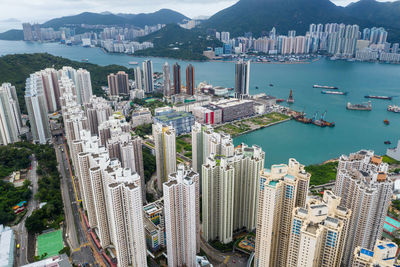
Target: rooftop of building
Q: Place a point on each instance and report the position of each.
(176, 115)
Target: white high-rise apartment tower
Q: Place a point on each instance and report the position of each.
(364, 187)
(10, 115)
(283, 188)
(138, 78)
(83, 86)
(125, 213)
(318, 233)
(165, 146)
(181, 194)
(37, 109)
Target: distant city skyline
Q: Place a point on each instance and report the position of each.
(43, 10)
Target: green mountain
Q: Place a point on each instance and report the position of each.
(261, 15)
(383, 13)
(15, 69)
(175, 42)
(162, 16)
(12, 35)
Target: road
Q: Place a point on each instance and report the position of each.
(76, 234)
(220, 259)
(20, 231)
(71, 235)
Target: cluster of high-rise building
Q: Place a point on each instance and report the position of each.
(144, 78)
(113, 39)
(342, 229)
(176, 87)
(339, 40)
(43, 93)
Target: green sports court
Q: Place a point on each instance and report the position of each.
(50, 243)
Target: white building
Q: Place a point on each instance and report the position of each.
(282, 188)
(181, 200)
(10, 115)
(365, 189)
(165, 146)
(37, 109)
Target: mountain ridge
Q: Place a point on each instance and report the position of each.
(261, 15)
(162, 16)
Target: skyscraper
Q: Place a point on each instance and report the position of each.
(167, 80)
(138, 78)
(218, 181)
(181, 209)
(318, 233)
(10, 115)
(97, 110)
(190, 80)
(124, 204)
(282, 188)
(27, 28)
(165, 146)
(83, 86)
(148, 76)
(365, 189)
(37, 109)
(177, 78)
(242, 79)
(118, 84)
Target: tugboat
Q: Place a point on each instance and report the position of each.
(387, 142)
(290, 99)
(302, 118)
(386, 122)
(280, 100)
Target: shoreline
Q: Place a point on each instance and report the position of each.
(261, 127)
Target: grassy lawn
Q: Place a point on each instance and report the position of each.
(390, 160)
(236, 128)
(183, 144)
(322, 174)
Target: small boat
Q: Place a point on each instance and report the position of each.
(386, 122)
(280, 100)
(324, 86)
(85, 60)
(393, 108)
(387, 142)
(133, 63)
(271, 85)
(333, 92)
(290, 99)
(379, 97)
(256, 87)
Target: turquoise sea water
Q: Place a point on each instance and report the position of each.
(309, 144)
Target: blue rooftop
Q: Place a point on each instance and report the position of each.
(381, 247)
(273, 183)
(367, 252)
(390, 245)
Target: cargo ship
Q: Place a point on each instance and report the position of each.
(379, 97)
(302, 118)
(290, 99)
(324, 86)
(321, 122)
(363, 106)
(394, 108)
(333, 92)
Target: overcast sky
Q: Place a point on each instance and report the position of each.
(42, 10)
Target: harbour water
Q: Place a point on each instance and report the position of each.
(309, 144)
